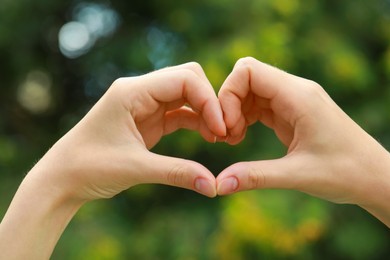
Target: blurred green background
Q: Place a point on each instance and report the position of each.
(58, 58)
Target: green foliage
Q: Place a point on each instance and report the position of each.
(343, 45)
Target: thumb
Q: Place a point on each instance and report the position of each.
(180, 173)
(283, 173)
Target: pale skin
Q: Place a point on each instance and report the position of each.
(107, 152)
(329, 156)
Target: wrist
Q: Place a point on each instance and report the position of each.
(37, 216)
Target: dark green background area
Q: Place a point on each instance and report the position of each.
(342, 45)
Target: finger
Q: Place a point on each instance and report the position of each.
(194, 66)
(283, 173)
(178, 172)
(288, 95)
(186, 118)
(230, 104)
(172, 86)
(231, 97)
(262, 79)
(252, 76)
(251, 87)
(237, 133)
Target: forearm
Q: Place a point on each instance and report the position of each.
(36, 218)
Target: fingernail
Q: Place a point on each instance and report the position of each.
(215, 139)
(227, 186)
(205, 187)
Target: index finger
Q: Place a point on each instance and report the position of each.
(288, 94)
(249, 75)
(184, 84)
(194, 66)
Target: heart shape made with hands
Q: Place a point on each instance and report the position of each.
(136, 112)
(296, 109)
(244, 98)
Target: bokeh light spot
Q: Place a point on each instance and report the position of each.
(99, 19)
(34, 93)
(91, 22)
(74, 39)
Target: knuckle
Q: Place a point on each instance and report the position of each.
(176, 175)
(195, 66)
(119, 81)
(246, 61)
(256, 178)
(313, 87)
(117, 84)
(122, 84)
(313, 94)
(122, 81)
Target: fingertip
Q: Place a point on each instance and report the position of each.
(235, 139)
(232, 140)
(214, 118)
(207, 133)
(219, 130)
(227, 185)
(230, 110)
(205, 187)
(221, 138)
(222, 131)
